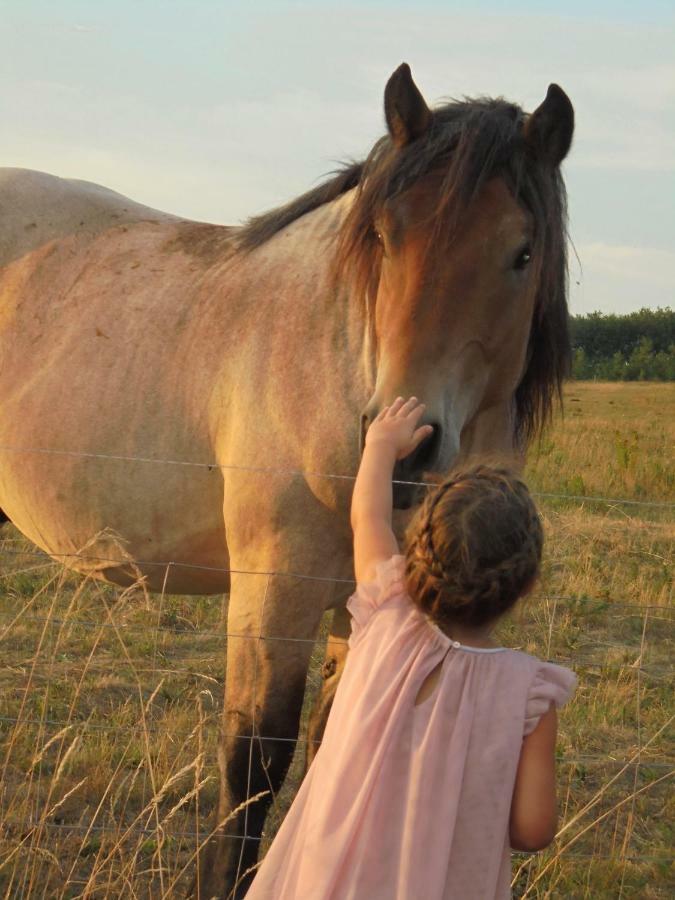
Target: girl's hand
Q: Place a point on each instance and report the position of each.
(396, 425)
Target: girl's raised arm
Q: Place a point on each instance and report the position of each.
(393, 435)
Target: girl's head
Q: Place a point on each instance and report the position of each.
(474, 547)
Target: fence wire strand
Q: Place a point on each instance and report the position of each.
(87, 624)
(57, 557)
(131, 729)
(205, 835)
(300, 473)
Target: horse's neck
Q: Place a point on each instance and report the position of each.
(295, 269)
(310, 330)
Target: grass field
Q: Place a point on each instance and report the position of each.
(109, 699)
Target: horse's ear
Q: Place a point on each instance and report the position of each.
(405, 109)
(549, 129)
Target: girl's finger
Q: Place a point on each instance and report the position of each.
(424, 432)
(409, 405)
(405, 407)
(396, 406)
(418, 436)
(416, 412)
(382, 414)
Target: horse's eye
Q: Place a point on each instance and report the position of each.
(379, 237)
(523, 258)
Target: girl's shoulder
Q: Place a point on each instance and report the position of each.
(387, 583)
(390, 574)
(547, 683)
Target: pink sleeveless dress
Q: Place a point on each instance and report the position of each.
(406, 802)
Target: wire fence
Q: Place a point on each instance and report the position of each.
(205, 835)
(304, 473)
(134, 729)
(639, 762)
(278, 573)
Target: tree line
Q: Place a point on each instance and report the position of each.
(639, 346)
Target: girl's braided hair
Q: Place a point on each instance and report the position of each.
(474, 547)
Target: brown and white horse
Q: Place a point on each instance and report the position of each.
(132, 341)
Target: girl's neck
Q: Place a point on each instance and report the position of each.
(481, 638)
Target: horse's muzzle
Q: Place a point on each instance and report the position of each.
(409, 472)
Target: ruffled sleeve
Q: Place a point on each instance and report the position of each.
(369, 597)
(551, 684)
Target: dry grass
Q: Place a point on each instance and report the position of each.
(108, 778)
(616, 440)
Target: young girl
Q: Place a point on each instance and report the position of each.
(439, 751)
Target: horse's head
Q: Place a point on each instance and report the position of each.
(456, 237)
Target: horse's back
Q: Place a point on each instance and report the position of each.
(36, 208)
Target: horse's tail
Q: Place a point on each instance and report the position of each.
(3, 518)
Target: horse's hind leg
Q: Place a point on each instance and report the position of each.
(272, 622)
(331, 672)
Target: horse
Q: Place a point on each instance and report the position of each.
(201, 393)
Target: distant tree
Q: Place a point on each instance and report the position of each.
(581, 370)
(664, 364)
(640, 361)
(617, 368)
(639, 346)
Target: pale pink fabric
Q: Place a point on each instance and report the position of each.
(406, 802)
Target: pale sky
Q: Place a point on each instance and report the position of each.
(218, 109)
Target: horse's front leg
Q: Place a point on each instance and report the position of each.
(272, 623)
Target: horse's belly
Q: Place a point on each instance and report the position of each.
(117, 519)
(95, 424)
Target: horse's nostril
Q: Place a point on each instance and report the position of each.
(410, 470)
(425, 454)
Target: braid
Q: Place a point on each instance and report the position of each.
(474, 547)
(427, 538)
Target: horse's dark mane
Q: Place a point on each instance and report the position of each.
(471, 141)
(259, 229)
